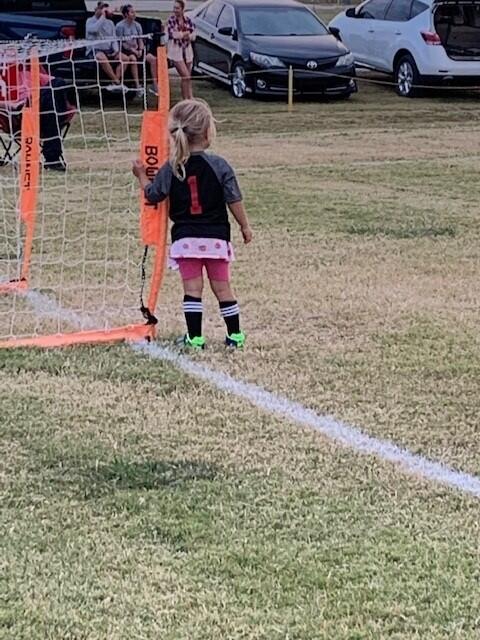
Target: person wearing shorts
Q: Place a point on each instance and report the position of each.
(181, 35)
(201, 187)
(130, 35)
(100, 29)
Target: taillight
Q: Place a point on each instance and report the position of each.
(431, 37)
(68, 32)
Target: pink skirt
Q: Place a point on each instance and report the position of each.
(210, 248)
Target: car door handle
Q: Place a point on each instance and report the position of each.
(371, 31)
(398, 33)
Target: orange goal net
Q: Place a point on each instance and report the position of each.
(77, 241)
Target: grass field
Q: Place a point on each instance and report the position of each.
(139, 502)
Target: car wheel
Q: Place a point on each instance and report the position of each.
(407, 77)
(238, 81)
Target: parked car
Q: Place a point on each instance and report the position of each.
(250, 44)
(422, 42)
(73, 10)
(19, 27)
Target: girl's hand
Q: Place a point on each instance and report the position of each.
(138, 169)
(247, 234)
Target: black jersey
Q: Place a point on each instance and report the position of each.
(198, 203)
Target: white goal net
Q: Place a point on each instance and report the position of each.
(70, 249)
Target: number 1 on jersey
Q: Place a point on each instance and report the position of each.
(196, 208)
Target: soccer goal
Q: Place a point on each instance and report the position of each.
(81, 253)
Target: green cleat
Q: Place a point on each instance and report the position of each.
(235, 340)
(191, 343)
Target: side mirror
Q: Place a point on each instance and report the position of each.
(225, 31)
(335, 32)
(351, 13)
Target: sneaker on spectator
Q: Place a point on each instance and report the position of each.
(139, 92)
(116, 88)
(59, 165)
(154, 91)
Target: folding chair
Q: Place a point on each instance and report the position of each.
(10, 132)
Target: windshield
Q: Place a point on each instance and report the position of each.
(289, 21)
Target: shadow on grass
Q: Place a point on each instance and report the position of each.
(148, 475)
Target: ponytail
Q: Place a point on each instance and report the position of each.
(191, 123)
(179, 151)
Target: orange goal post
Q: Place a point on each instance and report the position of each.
(77, 247)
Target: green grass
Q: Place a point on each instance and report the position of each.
(140, 503)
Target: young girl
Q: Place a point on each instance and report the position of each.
(200, 186)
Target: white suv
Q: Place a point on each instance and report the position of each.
(422, 42)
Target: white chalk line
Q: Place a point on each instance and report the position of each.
(339, 432)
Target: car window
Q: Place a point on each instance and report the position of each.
(399, 11)
(373, 10)
(212, 12)
(418, 8)
(227, 17)
(269, 21)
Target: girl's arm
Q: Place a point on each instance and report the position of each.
(158, 189)
(140, 172)
(240, 215)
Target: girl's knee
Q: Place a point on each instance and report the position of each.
(222, 289)
(193, 287)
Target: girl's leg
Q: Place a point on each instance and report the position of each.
(122, 67)
(218, 273)
(152, 61)
(134, 70)
(184, 74)
(189, 86)
(222, 289)
(191, 272)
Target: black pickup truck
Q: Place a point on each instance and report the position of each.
(66, 10)
(14, 26)
(56, 19)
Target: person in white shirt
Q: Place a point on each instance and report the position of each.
(106, 49)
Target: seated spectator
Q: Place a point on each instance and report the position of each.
(130, 33)
(55, 110)
(106, 50)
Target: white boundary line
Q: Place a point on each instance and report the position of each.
(333, 429)
(330, 427)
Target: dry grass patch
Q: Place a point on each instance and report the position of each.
(140, 503)
(308, 151)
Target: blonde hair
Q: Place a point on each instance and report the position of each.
(191, 123)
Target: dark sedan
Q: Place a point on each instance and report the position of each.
(250, 45)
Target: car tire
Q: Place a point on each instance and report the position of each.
(238, 81)
(407, 77)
